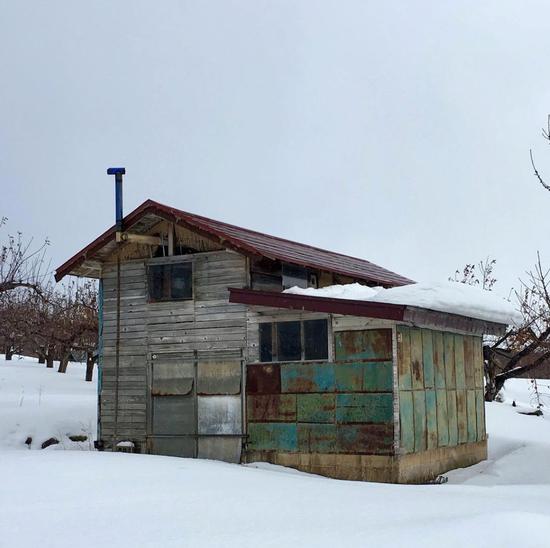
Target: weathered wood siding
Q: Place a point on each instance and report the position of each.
(199, 327)
(440, 389)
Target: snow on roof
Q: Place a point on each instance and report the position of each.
(450, 297)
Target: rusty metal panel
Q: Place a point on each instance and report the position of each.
(316, 408)
(439, 360)
(173, 446)
(427, 358)
(431, 419)
(453, 418)
(450, 374)
(263, 378)
(317, 438)
(472, 415)
(404, 357)
(219, 377)
(274, 436)
(480, 415)
(173, 415)
(371, 344)
(363, 408)
(271, 408)
(219, 415)
(365, 438)
(478, 362)
(364, 377)
(307, 377)
(442, 418)
(469, 367)
(417, 369)
(462, 416)
(172, 378)
(419, 403)
(459, 362)
(223, 448)
(406, 418)
(349, 377)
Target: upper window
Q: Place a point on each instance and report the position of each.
(294, 341)
(171, 282)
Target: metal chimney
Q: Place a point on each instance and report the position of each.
(118, 172)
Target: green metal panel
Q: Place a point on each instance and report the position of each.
(449, 358)
(417, 369)
(471, 411)
(377, 408)
(419, 403)
(404, 357)
(317, 438)
(349, 377)
(439, 359)
(478, 362)
(459, 362)
(480, 415)
(307, 377)
(427, 358)
(271, 407)
(469, 369)
(365, 438)
(462, 416)
(316, 408)
(442, 419)
(431, 419)
(406, 420)
(364, 377)
(371, 344)
(272, 436)
(452, 415)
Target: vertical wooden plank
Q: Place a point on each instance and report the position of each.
(442, 419)
(417, 370)
(459, 362)
(439, 360)
(452, 416)
(472, 415)
(427, 358)
(404, 357)
(419, 402)
(406, 417)
(431, 419)
(450, 373)
(478, 362)
(462, 416)
(469, 361)
(480, 415)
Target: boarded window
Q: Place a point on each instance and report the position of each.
(170, 282)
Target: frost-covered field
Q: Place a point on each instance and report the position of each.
(84, 498)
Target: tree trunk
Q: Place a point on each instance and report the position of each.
(49, 361)
(41, 358)
(90, 366)
(63, 363)
(9, 353)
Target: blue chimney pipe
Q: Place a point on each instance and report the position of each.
(118, 172)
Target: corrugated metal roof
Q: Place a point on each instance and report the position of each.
(246, 241)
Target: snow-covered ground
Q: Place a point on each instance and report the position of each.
(85, 498)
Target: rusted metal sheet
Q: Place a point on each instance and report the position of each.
(172, 378)
(459, 362)
(223, 448)
(317, 438)
(219, 415)
(263, 378)
(472, 415)
(371, 344)
(417, 369)
(442, 418)
(480, 415)
(450, 373)
(439, 359)
(431, 419)
(469, 367)
(427, 358)
(365, 438)
(219, 378)
(316, 408)
(453, 418)
(364, 408)
(419, 403)
(462, 416)
(406, 421)
(271, 407)
(275, 436)
(364, 377)
(478, 362)
(404, 357)
(307, 377)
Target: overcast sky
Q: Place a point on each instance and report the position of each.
(394, 131)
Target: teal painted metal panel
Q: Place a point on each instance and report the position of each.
(452, 416)
(419, 403)
(480, 415)
(318, 408)
(431, 419)
(417, 369)
(439, 360)
(406, 421)
(364, 408)
(428, 358)
(317, 438)
(450, 373)
(404, 357)
(442, 419)
(307, 377)
(471, 412)
(365, 438)
(349, 377)
(275, 436)
(371, 344)
(364, 377)
(459, 362)
(462, 416)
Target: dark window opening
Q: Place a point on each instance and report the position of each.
(170, 282)
(266, 342)
(289, 345)
(315, 340)
(294, 276)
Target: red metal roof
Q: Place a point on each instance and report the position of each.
(246, 241)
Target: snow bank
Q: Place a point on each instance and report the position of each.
(451, 297)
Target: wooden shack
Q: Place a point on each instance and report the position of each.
(202, 355)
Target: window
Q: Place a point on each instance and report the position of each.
(294, 275)
(170, 282)
(294, 341)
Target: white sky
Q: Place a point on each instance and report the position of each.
(394, 131)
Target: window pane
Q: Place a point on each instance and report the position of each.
(181, 281)
(156, 277)
(316, 340)
(294, 275)
(289, 345)
(266, 343)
